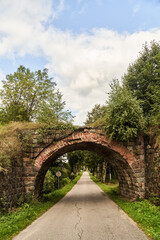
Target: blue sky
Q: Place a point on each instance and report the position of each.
(83, 43)
(120, 16)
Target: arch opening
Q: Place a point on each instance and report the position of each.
(126, 177)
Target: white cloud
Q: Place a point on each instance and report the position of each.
(83, 64)
(2, 77)
(87, 63)
(21, 22)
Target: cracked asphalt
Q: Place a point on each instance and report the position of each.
(85, 213)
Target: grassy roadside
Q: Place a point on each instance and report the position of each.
(12, 224)
(143, 212)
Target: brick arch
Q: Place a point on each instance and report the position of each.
(129, 167)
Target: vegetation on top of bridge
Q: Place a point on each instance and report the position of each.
(134, 105)
(16, 137)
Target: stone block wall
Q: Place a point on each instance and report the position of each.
(12, 188)
(140, 176)
(152, 163)
(136, 146)
(37, 143)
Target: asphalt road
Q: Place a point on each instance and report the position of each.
(85, 213)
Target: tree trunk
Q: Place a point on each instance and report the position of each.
(110, 177)
(98, 168)
(103, 172)
(110, 174)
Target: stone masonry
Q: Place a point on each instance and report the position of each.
(12, 187)
(128, 161)
(136, 163)
(152, 163)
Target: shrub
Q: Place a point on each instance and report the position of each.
(65, 181)
(124, 116)
(48, 185)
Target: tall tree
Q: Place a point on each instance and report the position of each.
(96, 113)
(25, 94)
(92, 160)
(76, 160)
(124, 118)
(52, 110)
(143, 78)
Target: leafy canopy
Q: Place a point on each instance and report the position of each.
(52, 110)
(124, 116)
(143, 79)
(80, 158)
(95, 117)
(136, 100)
(75, 159)
(28, 96)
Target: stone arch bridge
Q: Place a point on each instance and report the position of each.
(128, 161)
(136, 163)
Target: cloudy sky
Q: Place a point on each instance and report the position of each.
(83, 43)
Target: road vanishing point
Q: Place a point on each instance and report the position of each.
(85, 213)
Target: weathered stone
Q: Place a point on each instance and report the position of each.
(29, 189)
(104, 145)
(148, 146)
(34, 141)
(26, 160)
(137, 165)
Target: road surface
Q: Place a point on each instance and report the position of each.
(85, 213)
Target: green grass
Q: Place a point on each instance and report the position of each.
(12, 224)
(143, 212)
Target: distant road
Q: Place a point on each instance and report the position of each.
(85, 213)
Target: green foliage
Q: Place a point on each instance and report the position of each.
(13, 112)
(81, 159)
(30, 96)
(110, 189)
(24, 91)
(52, 111)
(143, 77)
(92, 159)
(138, 99)
(65, 181)
(76, 160)
(124, 118)
(4, 119)
(11, 224)
(49, 181)
(143, 212)
(154, 199)
(97, 113)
